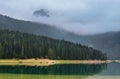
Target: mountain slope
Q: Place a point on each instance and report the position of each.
(22, 45)
(26, 26)
(35, 28)
(107, 42)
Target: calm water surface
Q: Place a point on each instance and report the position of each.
(65, 71)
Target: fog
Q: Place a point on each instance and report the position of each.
(78, 16)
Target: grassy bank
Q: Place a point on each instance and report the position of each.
(82, 61)
(47, 62)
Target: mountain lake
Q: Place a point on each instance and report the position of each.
(62, 71)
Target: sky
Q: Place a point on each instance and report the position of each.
(78, 16)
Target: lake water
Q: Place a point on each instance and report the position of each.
(65, 71)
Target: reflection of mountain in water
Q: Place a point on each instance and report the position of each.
(80, 69)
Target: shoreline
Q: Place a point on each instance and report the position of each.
(47, 62)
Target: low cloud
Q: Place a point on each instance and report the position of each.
(78, 16)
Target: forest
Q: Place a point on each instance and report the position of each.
(19, 45)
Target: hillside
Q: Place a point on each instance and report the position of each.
(107, 42)
(34, 28)
(23, 45)
(29, 27)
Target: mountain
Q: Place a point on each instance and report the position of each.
(37, 28)
(30, 27)
(22, 45)
(107, 42)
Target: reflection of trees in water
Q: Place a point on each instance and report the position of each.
(81, 69)
(66, 69)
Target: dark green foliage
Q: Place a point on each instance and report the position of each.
(23, 45)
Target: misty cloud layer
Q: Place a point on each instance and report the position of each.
(79, 16)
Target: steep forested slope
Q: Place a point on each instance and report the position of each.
(23, 45)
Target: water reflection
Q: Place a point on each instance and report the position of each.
(112, 69)
(65, 69)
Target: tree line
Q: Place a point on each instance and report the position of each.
(14, 44)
